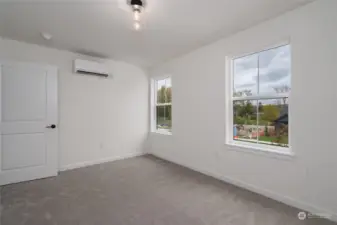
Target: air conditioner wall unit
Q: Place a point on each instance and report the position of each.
(90, 68)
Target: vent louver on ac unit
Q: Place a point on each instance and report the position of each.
(92, 73)
(90, 68)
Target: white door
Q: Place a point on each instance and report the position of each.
(28, 108)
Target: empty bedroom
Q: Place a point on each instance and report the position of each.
(157, 112)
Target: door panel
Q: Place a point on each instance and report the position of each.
(23, 150)
(24, 96)
(23, 127)
(28, 105)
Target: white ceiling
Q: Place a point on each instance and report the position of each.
(104, 27)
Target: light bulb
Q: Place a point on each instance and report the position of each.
(136, 15)
(136, 25)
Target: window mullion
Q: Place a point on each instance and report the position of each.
(258, 74)
(261, 97)
(257, 101)
(163, 104)
(257, 120)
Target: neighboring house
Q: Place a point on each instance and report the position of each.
(282, 120)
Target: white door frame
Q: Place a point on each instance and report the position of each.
(52, 112)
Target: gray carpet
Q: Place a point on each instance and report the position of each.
(143, 191)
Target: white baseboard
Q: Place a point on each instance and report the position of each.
(267, 193)
(99, 161)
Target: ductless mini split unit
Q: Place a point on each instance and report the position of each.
(93, 68)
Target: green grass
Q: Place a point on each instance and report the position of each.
(271, 140)
(284, 140)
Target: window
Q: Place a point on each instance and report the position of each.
(163, 105)
(259, 103)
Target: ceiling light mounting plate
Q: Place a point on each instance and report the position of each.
(136, 4)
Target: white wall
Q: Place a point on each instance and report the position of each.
(99, 119)
(309, 179)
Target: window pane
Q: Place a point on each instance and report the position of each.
(164, 91)
(275, 70)
(245, 121)
(245, 76)
(164, 118)
(273, 120)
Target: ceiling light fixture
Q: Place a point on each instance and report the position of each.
(137, 7)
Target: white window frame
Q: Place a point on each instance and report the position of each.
(240, 145)
(154, 105)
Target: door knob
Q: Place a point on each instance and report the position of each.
(53, 126)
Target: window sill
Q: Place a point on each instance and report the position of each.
(270, 151)
(159, 132)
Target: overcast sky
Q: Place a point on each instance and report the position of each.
(274, 70)
(165, 82)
